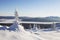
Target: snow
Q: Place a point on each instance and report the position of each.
(17, 32)
(6, 35)
(40, 35)
(47, 35)
(20, 34)
(50, 35)
(28, 34)
(1, 26)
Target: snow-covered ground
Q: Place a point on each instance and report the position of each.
(6, 35)
(17, 32)
(51, 35)
(47, 35)
(29, 34)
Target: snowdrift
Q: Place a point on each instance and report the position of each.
(17, 32)
(6, 35)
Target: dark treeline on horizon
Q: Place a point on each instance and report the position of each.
(36, 19)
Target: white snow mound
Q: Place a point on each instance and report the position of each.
(20, 34)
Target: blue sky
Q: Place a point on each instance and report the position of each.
(31, 8)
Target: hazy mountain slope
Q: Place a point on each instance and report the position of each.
(37, 19)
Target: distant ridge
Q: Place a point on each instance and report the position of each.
(37, 19)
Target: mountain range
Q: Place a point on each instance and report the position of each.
(36, 19)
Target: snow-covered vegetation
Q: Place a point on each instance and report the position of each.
(16, 32)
